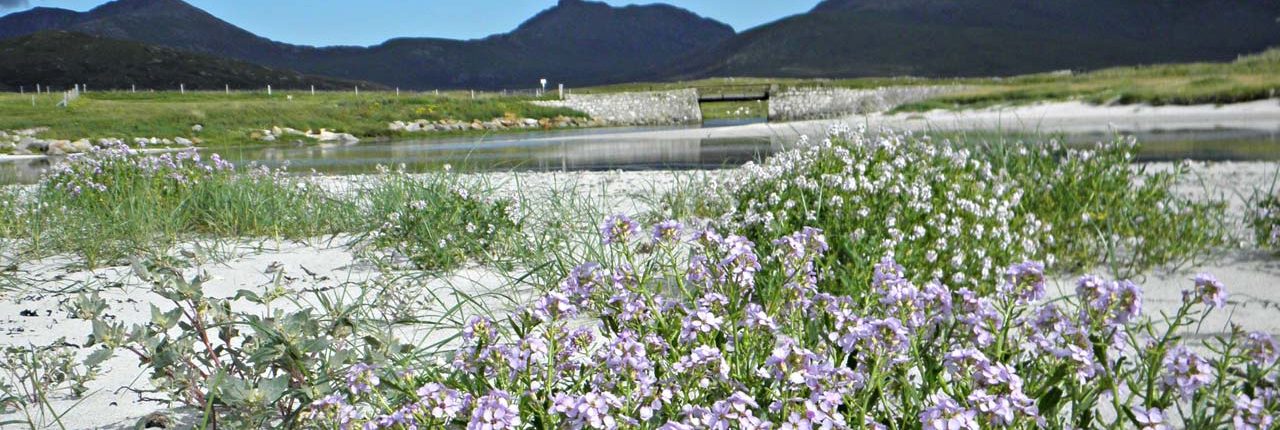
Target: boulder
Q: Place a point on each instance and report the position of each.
(399, 126)
(530, 122)
(413, 128)
(183, 141)
(269, 138)
(197, 128)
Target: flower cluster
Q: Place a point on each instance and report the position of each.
(718, 337)
(934, 207)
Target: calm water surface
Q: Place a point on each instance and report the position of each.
(605, 151)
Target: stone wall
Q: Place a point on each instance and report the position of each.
(795, 104)
(642, 108)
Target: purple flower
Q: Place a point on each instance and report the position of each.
(1262, 349)
(706, 359)
(495, 411)
(361, 378)
(736, 412)
(740, 262)
(1150, 419)
(618, 229)
(1185, 371)
(1208, 290)
(553, 307)
(669, 231)
(1024, 282)
(442, 403)
(699, 322)
(334, 409)
(944, 413)
(1250, 414)
(757, 318)
(478, 330)
(961, 363)
(626, 355)
(878, 338)
(583, 281)
(591, 410)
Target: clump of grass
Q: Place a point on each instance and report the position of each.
(1116, 214)
(112, 204)
(1264, 217)
(436, 221)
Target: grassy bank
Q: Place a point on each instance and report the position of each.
(1250, 78)
(229, 119)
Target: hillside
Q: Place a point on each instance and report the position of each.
(575, 42)
(950, 38)
(63, 59)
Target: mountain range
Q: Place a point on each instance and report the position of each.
(587, 43)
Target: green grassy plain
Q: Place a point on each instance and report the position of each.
(229, 119)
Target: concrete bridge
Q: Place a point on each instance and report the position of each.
(735, 93)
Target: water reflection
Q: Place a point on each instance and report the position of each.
(608, 150)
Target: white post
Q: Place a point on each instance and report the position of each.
(22, 90)
(268, 89)
(357, 90)
(182, 88)
(561, 91)
(397, 91)
(437, 92)
(37, 88)
(33, 100)
(313, 90)
(133, 88)
(473, 94)
(226, 88)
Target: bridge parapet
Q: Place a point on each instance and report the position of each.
(795, 104)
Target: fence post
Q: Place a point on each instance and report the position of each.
(182, 88)
(133, 88)
(357, 90)
(37, 88)
(21, 89)
(268, 89)
(226, 88)
(561, 91)
(473, 94)
(313, 90)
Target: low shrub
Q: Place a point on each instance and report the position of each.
(957, 211)
(686, 337)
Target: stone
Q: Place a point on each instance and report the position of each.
(277, 131)
(530, 122)
(31, 144)
(269, 138)
(82, 145)
(183, 141)
(398, 126)
(413, 128)
(197, 128)
(58, 147)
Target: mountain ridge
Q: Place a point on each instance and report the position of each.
(575, 41)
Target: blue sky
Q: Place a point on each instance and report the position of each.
(329, 22)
